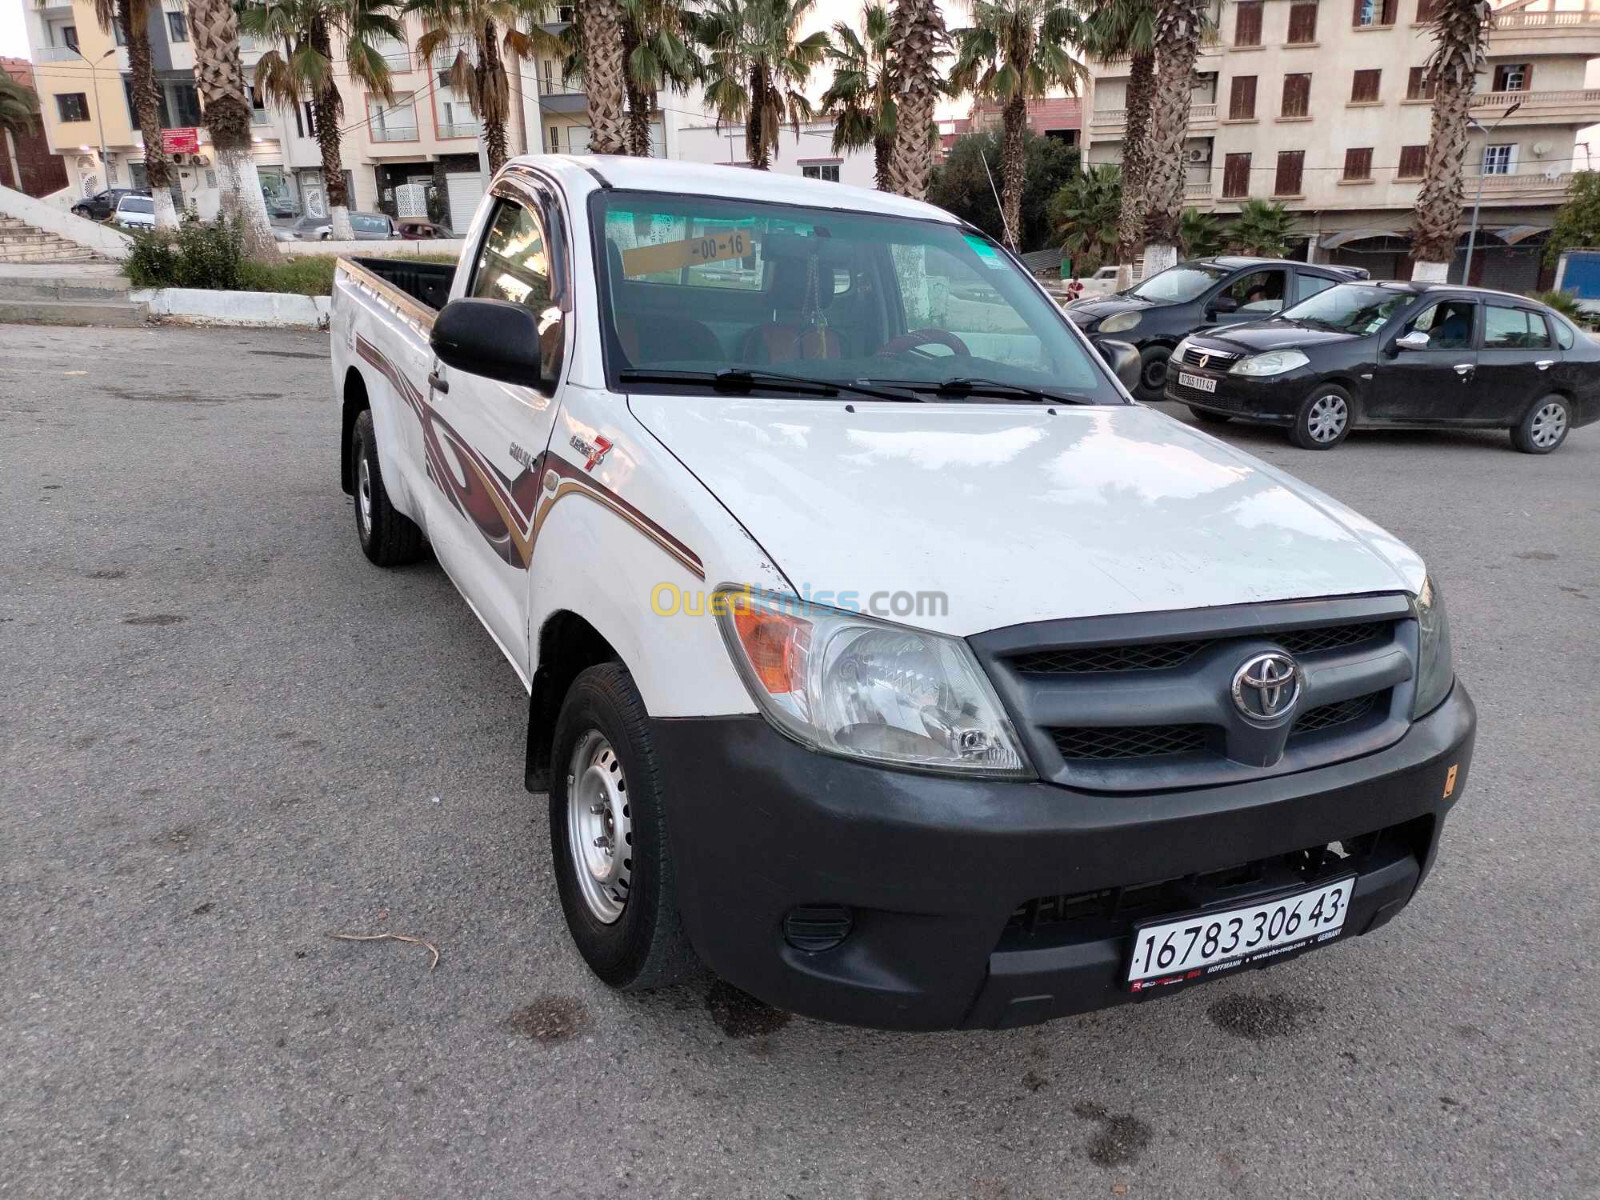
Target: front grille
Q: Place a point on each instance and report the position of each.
(1155, 656)
(1113, 912)
(1326, 716)
(1111, 742)
(1219, 359)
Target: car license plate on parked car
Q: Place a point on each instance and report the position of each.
(1198, 382)
(1207, 943)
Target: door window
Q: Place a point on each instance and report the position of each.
(1513, 329)
(1448, 325)
(1258, 291)
(1566, 335)
(514, 265)
(1306, 286)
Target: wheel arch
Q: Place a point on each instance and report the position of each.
(356, 402)
(1351, 382)
(568, 645)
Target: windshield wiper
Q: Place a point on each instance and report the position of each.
(972, 385)
(743, 379)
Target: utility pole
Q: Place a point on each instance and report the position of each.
(1472, 230)
(100, 125)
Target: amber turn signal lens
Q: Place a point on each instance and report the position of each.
(775, 645)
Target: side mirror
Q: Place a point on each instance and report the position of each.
(1415, 340)
(1123, 360)
(1223, 304)
(494, 339)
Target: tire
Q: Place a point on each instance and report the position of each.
(625, 923)
(1544, 426)
(1152, 373)
(1324, 418)
(388, 537)
(1206, 417)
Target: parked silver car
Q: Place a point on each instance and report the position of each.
(368, 227)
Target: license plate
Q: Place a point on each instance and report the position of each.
(1208, 943)
(1198, 382)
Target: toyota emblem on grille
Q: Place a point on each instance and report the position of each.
(1266, 687)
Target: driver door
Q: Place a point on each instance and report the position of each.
(1431, 386)
(1253, 296)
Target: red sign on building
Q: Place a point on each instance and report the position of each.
(180, 141)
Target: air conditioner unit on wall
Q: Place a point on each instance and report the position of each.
(1199, 156)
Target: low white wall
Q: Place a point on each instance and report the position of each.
(196, 306)
(42, 215)
(392, 248)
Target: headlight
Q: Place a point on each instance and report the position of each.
(1435, 666)
(1273, 362)
(1181, 349)
(861, 688)
(1120, 322)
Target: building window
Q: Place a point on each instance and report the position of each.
(1358, 163)
(1296, 96)
(1247, 23)
(1242, 101)
(1369, 13)
(395, 122)
(133, 109)
(1424, 11)
(1364, 86)
(1513, 77)
(305, 119)
(185, 107)
(1413, 159)
(72, 106)
(177, 27)
(555, 139)
(1500, 160)
(258, 110)
(1235, 176)
(827, 171)
(1302, 24)
(69, 37)
(1419, 84)
(1291, 169)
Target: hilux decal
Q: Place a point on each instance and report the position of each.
(509, 513)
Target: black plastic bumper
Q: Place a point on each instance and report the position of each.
(933, 870)
(1273, 400)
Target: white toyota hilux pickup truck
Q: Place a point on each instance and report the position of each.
(881, 653)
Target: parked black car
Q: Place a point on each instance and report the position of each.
(101, 205)
(1153, 316)
(1400, 355)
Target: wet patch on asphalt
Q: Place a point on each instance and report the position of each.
(740, 1015)
(550, 1019)
(1121, 1138)
(1257, 1018)
(154, 619)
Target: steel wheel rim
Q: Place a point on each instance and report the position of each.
(364, 493)
(599, 827)
(1155, 373)
(1327, 417)
(1549, 424)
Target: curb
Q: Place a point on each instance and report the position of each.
(203, 307)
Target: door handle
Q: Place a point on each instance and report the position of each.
(1463, 369)
(438, 384)
(1544, 364)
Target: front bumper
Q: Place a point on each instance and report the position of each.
(935, 870)
(1272, 400)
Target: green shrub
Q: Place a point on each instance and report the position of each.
(196, 255)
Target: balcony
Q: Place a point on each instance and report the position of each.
(1567, 30)
(1577, 105)
(1108, 118)
(561, 97)
(1108, 123)
(392, 133)
(1197, 189)
(1513, 189)
(460, 129)
(1210, 43)
(56, 54)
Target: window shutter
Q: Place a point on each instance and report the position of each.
(1527, 77)
(1290, 169)
(1247, 23)
(1296, 96)
(1302, 23)
(1358, 163)
(1424, 11)
(1236, 175)
(1413, 159)
(1364, 86)
(1390, 7)
(1355, 16)
(1243, 101)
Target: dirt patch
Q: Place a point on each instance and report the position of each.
(1033, 1081)
(164, 397)
(291, 354)
(1536, 556)
(108, 574)
(740, 1015)
(1257, 1018)
(550, 1019)
(1121, 1138)
(154, 619)
(201, 910)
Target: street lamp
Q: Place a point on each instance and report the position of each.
(1472, 230)
(100, 125)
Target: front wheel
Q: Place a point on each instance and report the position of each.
(608, 836)
(1153, 373)
(1323, 420)
(1543, 427)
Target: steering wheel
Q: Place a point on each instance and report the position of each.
(909, 343)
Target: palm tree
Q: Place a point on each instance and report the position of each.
(18, 106)
(1112, 30)
(481, 32)
(225, 108)
(1263, 228)
(860, 96)
(1178, 25)
(301, 63)
(656, 54)
(757, 65)
(1459, 28)
(1199, 234)
(1015, 51)
(1084, 214)
(599, 31)
(918, 37)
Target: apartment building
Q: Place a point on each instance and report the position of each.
(27, 163)
(1325, 107)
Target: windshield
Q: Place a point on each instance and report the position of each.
(1178, 285)
(136, 205)
(1357, 308)
(701, 285)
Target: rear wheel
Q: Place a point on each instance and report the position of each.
(1543, 427)
(1152, 372)
(1209, 418)
(1323, 420)
(388, 537)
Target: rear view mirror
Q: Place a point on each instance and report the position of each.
(1415, 340)
(1123, 360)
(494, 339)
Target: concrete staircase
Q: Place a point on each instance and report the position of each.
(68, 293)
(23, 243)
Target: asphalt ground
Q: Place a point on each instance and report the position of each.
(224, 737)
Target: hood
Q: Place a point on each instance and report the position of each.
(1274, 334)
(1084, 311)
(1017, 515)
